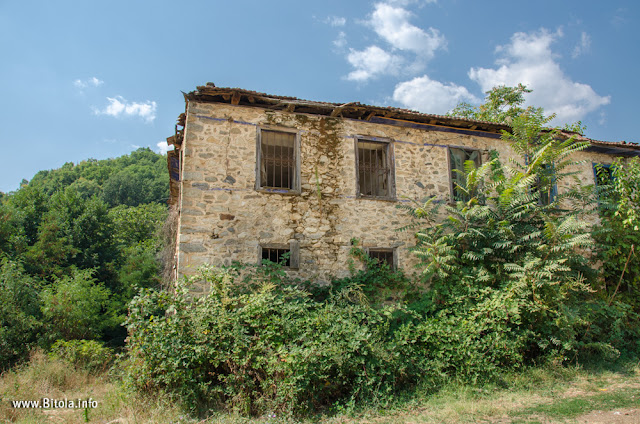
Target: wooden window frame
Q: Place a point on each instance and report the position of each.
(392, 250)
(295, 190)
(452, 188)
(294, 252)
(391, 196)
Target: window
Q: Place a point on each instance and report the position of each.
(287, 255)
(278, 165)
(546, 185)
(374, 162)
(457, 158)
(602, 174)
(383, 256)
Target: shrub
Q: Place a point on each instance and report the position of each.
(88, 354)
(75, 306)
(271, 349)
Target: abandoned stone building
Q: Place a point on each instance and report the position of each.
(254, 176)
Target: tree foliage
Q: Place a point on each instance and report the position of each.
(81, 251)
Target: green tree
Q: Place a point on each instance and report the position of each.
(20, 315)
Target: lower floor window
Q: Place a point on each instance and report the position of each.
(276, 255)
(383, 256)
(285, 254)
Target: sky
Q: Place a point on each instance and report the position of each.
(84, 79)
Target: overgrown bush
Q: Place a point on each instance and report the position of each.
(518, 252)
(90, 355)
(75, 307)
(271, 349)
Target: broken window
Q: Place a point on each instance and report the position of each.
(457, 158)
(383, 256)
(375, 169)
(278, 160)
(283, 254)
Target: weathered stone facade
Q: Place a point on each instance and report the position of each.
(225, 216)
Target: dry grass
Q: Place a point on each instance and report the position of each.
(44, 377)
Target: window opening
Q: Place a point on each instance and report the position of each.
(383, 256)
(374, 169)
(457, 158)
(277, 159)
(276, 255)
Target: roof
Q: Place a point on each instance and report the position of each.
(357, 110)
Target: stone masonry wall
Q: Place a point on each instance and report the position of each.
(223, 218)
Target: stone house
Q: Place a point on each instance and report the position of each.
(254, 176)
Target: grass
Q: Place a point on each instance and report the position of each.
(45, 377)
(544, 394)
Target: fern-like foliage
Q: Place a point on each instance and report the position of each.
(514, 238)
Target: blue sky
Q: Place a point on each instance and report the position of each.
(82, 79)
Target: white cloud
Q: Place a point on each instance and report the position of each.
(583, 46)
(371, 62)
(336, 21)
(429, 96)
(89, 82)
(341, 41)
(404, 3)
(392, 24)
(118, 106)
(528, 59)
(163, 147)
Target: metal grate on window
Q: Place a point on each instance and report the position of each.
(373, 169)
(457, 158)
(277, 159)
(275, 255)
(382, 256)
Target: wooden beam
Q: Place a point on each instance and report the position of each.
(235, 99)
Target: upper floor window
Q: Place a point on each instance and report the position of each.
(457, 157)
(603, 174)
(545, 185)
(278, 160)
(374, 163)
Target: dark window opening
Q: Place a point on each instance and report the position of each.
(374, 169)
(457, 158)
(277, 159)
(603, 174)
(276, 255)
(546, 185)
(383, 256)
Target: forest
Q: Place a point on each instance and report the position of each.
(76, 245)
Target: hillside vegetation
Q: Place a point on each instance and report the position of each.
(76, 244)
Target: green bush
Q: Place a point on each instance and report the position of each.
(88, 354)
(271, 349)
(75, 307)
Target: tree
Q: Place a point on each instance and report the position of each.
(502, 104)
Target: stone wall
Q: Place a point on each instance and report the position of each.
(224, 218)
